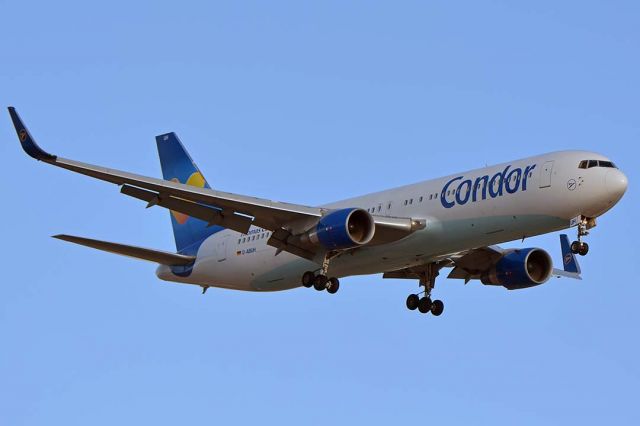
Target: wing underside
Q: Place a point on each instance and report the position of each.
(232, 211)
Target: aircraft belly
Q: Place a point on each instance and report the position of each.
(441, 238)
(261, 270)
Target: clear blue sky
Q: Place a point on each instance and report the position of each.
(308, 103)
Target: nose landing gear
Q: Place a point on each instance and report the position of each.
(579, 246)
(424, 304)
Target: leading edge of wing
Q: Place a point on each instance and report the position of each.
(252, 206)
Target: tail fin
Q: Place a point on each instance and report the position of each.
(177, 166)
(571, 267)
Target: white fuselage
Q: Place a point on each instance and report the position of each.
(472, 209)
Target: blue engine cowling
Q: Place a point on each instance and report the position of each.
(342, 229)
(520, 268)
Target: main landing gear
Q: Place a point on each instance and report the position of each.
(424, 304)
(321, 281)
(579, 246)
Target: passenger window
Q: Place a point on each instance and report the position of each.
(405, 202)
(420, 199)
(379, 207)
(431, 196)
(389, 206)
(411, 201)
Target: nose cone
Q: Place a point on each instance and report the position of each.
(616, 183)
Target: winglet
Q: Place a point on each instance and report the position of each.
(28, 143)
(571, 267)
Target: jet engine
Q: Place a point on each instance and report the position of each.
(520, 268)
(342, 229)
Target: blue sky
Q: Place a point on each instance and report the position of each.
(308, 103)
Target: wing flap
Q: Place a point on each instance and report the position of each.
(157, 256)
(208, 214)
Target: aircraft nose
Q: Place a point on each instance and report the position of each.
(616, 183)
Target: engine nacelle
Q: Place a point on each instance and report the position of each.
(521, 268)
(342, 229)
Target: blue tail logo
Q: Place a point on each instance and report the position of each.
(177, 166)
(568, 258)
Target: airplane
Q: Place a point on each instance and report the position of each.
(239, 242)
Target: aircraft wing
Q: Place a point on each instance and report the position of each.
(157, 256)
(471, 264)
(233, 211)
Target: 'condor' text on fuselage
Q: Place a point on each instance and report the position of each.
(468, 190)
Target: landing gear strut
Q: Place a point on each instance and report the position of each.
(320, 281)
(424, 304)
(579, 246)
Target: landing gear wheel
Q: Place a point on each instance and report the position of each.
(333, 286)
(437, 308)
(308, 278)
(584, 249)
(320, 282)
(412, 302)
(575, 247)
(424, 305)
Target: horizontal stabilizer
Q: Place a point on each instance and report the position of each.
(157, 256)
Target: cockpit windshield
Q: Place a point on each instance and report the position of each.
(587, 164)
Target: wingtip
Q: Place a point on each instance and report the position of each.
(27, 142)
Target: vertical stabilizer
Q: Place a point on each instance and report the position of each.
(177, 166)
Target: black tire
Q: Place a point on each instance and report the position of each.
(334, 285)
(320, 283)
(437, 308)
(412, 302)
(584, 249)
(575, 247)
(308, 278)
(424, 305)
